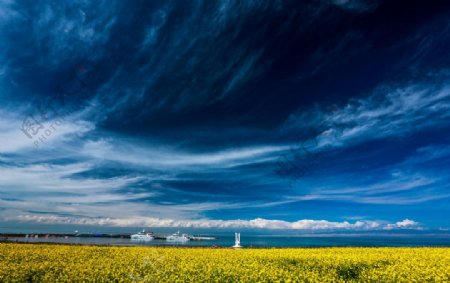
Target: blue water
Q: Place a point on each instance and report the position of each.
(270, 241)
(249, 237)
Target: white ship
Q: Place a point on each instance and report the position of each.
(178, 238)
(142, 236)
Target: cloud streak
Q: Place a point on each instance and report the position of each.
(389, 112)
(258, 223)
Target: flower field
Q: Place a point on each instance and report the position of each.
(70, 263)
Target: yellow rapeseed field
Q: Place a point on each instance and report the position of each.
(70, 263)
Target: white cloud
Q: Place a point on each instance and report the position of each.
(6, 11)
(390, 111)
(402, 224)
(401, 189)
(383, 200)
(59, 129)
(73, 33)
(56, 189)
(355, 5)
(428, 154)
(160, 156)
(55, 178)
(258, 223)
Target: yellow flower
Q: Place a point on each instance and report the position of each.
(60, 263)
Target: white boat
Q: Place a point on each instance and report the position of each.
(142, 236)
(178, 238)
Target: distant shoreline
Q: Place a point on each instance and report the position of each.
(62, 235)
(187, 246)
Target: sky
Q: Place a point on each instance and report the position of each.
(327, 115)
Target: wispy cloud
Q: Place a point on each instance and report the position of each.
(399, 188)
(355, 5)
(391, 111)
(164, 156)
(58, 130)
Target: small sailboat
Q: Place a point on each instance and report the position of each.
(142, 236)
(237, 240)
(178, 238)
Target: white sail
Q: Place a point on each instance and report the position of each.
(237, 240)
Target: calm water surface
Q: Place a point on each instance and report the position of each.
(267, 241)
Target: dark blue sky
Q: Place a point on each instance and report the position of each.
(311, 115)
